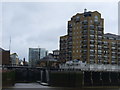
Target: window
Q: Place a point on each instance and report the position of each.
(85, 22)
(91, 50)
(91, 26)
(70, 25)
(101, 23)
(74, 24)
(96, 17)
(76, 50)
(90, 21)
(92, 32)
(100, 32)
(77, 27)
(77, 19)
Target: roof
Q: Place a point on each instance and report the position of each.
(56, 50)
(48, 58)
(112, 35)
(1, 49)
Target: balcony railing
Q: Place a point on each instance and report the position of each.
(85, 27)
(69, 25)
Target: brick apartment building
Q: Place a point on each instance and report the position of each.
(87, 42)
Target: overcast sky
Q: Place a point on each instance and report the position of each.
(41, 24)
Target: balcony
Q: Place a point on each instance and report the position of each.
(84, 42)
(114, 43)
(77, 19)
(99, 37)
(92, 27)
(84, 58)
(100, 58)
(118, 48)
(85, 27)
(69, 25)
(92, 32)
(85, 22)
(106, 53)
(105, 43)
(99, 32)
(70, 39)
(92, 52)
(84, 32)
(113, 57)
(119, 57)
(99, 43)
(92, 41)
(118, 44)
(84, 50)
(99, 47)
(105, 58)
(70, 34)
(113, 49)
(84, 47)
(96, 22)
(113, 54)
(92, 56)
(69, 29)
(87, 14)
(92, 47)
(92, 37)
(99, 53)
(100, 28)
(85, 37)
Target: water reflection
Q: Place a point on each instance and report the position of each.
(37, 86)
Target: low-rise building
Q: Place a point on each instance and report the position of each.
(56, 54)
(48, 62)
(4, 57)
(14, 59)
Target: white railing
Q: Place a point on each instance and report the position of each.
(92, 67)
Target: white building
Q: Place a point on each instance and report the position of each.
(14, 59)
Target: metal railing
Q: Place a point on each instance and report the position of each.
(91, 67)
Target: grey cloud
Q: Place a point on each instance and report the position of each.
(33, 24)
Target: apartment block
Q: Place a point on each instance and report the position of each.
(111, 49)
(63, 53)
(86, 41)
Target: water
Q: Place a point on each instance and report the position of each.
(34, 86)
(29, 85)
